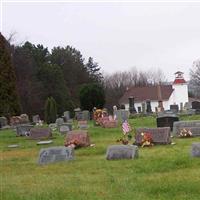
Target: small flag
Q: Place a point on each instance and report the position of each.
(126, 127)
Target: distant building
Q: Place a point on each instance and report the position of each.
(174, 94)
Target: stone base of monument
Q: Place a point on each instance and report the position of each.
(195, 151)
(117, 152)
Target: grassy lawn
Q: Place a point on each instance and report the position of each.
(161, 172)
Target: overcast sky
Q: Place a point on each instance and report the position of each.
(118, 36)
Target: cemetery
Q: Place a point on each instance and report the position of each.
(72, 131)
(59, 160)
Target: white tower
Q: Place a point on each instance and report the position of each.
(180, 94)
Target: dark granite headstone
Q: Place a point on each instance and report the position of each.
(40, 133)
(159, 135)
(166, 121)
(148, 103)
(195, 105)
(195, 151)
(55, 154)
(23, 129)
(174, 108)
(80, 136)
(132, 109)
(116, 152)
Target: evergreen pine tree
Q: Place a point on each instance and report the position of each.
(9, 102)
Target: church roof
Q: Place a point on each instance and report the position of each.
(148, 92)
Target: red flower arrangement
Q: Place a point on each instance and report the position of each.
(147, 140)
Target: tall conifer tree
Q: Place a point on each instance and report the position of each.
(9, 102)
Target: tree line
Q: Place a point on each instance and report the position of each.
(30, 74)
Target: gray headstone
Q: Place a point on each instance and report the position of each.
(86, 115)
(184, 124)
(67, 115)
(40, 133)
(55, 154)
(159, 135)
(125, 115)
(53, 126)
(3, 122)
(143, 107)
(122, 115)
(79, 115)
(116, 152)
(36, 118)
(23, 129)
(195, 151)
(64, 129)
(83, 125)
(59, 121)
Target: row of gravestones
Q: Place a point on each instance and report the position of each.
(114, 152)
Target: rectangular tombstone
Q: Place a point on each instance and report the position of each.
(81, 137)
(83, 125)
(36, 119)
(159, 135)
(66, 115)
(143, 107)
(64, 129)
(195, 105)
(174, 108)
(79, 115)
(195, 150)
(40, 133)
(23, 129)
(178, 126)
(59, 121)
(3, 122)
(55, 154)
(116, 152)
(85, 115)
(125, 115)
(166, 121)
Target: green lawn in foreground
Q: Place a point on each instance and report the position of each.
(161, 172)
